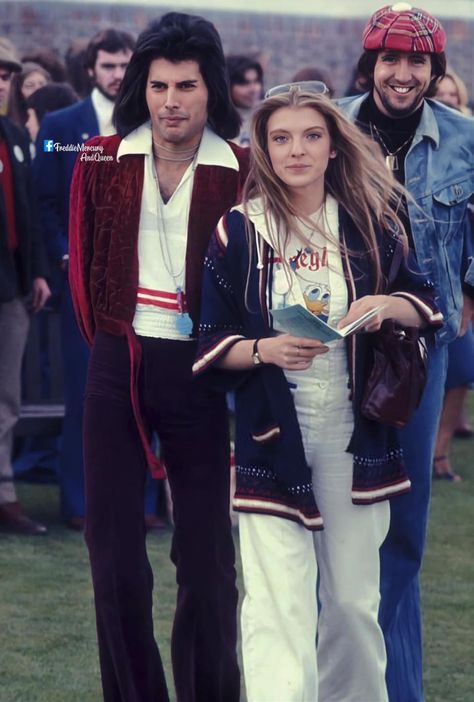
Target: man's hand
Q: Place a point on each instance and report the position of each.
(40, 294)
(467, 314)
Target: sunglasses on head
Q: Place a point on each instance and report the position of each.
(304, 86)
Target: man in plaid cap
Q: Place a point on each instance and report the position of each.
(429, 148)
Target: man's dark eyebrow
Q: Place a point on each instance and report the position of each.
(181, 82)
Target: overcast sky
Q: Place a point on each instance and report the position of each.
(338, 8)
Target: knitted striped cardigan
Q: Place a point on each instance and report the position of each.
(271, 470)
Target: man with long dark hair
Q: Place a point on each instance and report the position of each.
(429, 149)
(143, 206)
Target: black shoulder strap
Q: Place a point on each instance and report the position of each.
(395, 264)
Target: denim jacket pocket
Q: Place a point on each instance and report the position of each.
(449, 208)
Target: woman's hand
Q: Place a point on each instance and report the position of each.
(397, 308)
(363, 305)
(290, 352)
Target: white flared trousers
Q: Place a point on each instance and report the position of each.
(282, 562)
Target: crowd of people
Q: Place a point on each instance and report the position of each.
(175, 205)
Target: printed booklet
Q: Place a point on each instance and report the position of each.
(297, 320)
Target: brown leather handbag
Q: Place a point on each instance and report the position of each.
(396, 382)
(398, 377)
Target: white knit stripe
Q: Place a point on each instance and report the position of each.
(424, 309)
(369, 495)
(215, 352)
(264, 505)
(222, 233)
(275, 431)
(168, 299)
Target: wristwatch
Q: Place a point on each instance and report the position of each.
(257, 361)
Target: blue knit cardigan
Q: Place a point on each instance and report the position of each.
(272, 475)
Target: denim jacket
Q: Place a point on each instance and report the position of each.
(470, 274)
(439, 174)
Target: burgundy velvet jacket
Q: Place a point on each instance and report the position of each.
(103, 242)
(103, 233)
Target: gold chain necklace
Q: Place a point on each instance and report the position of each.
(191, 153)
(176, 151)
(391, 160)
(175, 160)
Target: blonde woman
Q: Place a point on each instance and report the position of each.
(451, 90)
(316, 227)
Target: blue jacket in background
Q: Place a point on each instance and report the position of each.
(439, 175)
(53, 170)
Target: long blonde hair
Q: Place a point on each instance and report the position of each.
(460, 87)
(357, 178)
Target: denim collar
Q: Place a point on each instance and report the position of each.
(428, 127)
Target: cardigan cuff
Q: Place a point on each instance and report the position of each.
(428, 311)
(213, 353)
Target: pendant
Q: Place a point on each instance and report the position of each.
(391, 161)
(184, 324)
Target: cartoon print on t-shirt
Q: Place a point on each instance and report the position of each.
(311, 267)
(317, 297)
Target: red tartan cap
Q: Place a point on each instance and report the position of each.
(402, 27)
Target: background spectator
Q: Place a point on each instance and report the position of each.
(9, 68)
(313, 73)
(49, 98)
(246, 90)
(51, 62)
(106, 59)
(23, 289)
(452, 91)
(31, 77)
(77, 73)
(358, 83)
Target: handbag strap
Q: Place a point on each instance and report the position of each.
(395, 264)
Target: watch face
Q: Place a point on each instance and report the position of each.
(256, 359)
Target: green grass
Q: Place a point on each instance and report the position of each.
(448, 585)
(48, 650)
